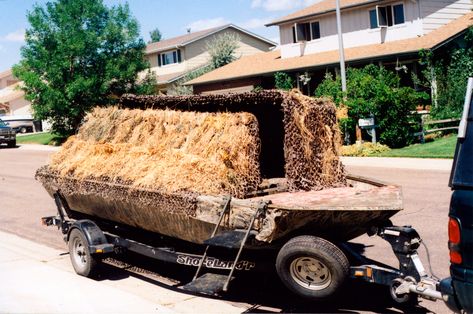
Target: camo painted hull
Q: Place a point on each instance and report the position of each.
(336, 213)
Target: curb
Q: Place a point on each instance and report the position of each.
(399, 163)
(38, 147)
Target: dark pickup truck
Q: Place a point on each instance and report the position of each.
(7, 134)
(458, 289)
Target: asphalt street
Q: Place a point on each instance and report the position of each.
(426, 198)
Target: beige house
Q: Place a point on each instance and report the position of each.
(12, 101)
(388, 32)
(172, 58)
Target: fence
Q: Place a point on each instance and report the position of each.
(452, 124)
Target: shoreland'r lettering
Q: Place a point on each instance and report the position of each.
(211, 262)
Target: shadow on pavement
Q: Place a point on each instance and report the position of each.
(263, 292)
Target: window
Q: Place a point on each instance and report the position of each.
(373, 19)
(315, 28)
(170, 57)
(398, 12)
(385, 16)
(305, 31)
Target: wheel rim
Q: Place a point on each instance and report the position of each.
(79, 253)
(310, 273)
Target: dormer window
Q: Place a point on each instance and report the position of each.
(169, 57)
(305, 31)
(385, 16)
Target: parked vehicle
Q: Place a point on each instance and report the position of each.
(7, 135)
(20, 123)
(458, 289)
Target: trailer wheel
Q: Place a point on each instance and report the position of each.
(84, 263)
(312, 267)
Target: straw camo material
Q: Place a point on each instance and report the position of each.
(170, 149)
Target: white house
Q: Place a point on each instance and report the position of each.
(173, 58)
(314, 29)
(12, 101)
(389, 32)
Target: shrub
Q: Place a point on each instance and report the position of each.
(363, 150)
(283, 81)
(373, 90)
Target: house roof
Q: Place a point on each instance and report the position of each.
(169, 78)
(11, 92)
(270, 62)
(322, 7)
(186, 39)
(6, 73)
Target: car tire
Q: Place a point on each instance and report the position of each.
(84, 263)
(312, 267)
(12, 144)
(23, 130)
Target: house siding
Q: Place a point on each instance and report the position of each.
(7, 81)
(356, 30)
(436, 13)
(196, 53)
(20, 106)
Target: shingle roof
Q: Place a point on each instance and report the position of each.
(6, 73)
(270, 62)
(322, 7)
(11, 92)
(191, 37)
(179, 40)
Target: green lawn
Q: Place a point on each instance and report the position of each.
(41, 138)
(440, 148)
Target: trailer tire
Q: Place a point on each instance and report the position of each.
(84, 263)
(312, 267)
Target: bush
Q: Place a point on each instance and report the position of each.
(450, 71)
(283, 81)
(373, 90)
(363, 150)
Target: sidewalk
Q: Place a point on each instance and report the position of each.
(400, 163)
(39, 279)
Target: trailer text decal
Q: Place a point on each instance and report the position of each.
(211, 262)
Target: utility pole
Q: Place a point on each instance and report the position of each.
(340, 48)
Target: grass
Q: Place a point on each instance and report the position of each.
(39, 138)
(440, 148)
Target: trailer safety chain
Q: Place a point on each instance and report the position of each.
(428, 261)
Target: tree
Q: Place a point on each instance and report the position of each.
(155, 35)
(283, 81)
(222, 49)
(79, 54)
(446, 72)
(373, 90)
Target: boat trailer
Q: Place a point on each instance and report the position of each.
(88, 240)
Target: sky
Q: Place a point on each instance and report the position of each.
(171, 17)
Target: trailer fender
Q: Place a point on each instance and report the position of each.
(95, 237)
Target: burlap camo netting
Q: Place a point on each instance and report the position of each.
(214, 144)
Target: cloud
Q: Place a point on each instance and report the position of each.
(255, 23)
(17, 36)
(281, 5)
(207, 23)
